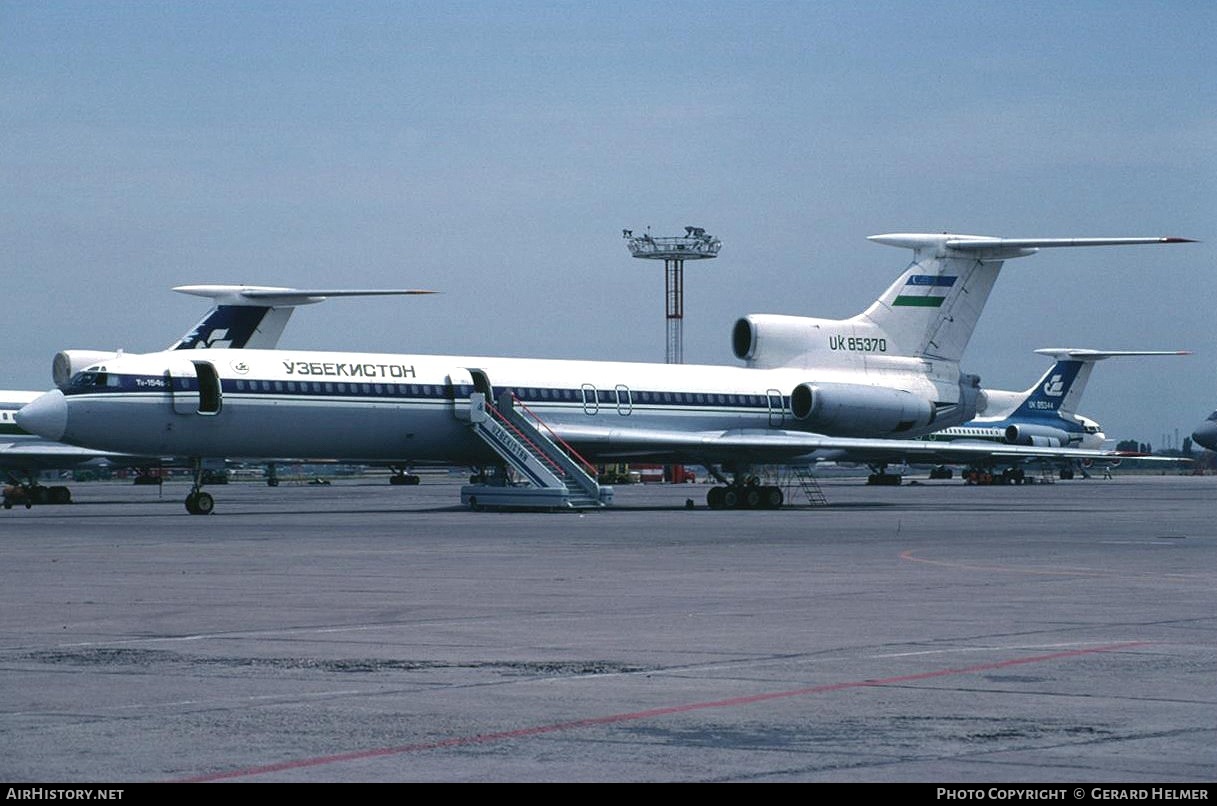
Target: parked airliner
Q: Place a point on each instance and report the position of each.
(1205, 434)
(875, 382)
(241, 316)
(1044, 415)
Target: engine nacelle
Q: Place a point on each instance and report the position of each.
(1039, 436)
(68, 362)
(854, 410)
(773, 340)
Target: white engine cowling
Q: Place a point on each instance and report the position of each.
(854, 410)
(1039, 436)
(773, 340)
(68, 362)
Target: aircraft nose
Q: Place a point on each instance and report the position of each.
(46, 416)
(1206, 436)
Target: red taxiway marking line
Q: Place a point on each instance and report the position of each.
(519, 733)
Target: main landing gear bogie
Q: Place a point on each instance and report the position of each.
(747, 496)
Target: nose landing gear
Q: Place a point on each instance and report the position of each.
(199, 502)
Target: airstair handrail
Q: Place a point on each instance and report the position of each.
(588, 467)
(520, 435)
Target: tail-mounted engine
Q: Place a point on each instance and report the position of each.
(854, 410)
(68, 362)
(1040, 436)
(767, 340)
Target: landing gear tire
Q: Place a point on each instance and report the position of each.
(200, 503)
(745, 497)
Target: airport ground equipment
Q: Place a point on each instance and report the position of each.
(553, 479)
(810, 486)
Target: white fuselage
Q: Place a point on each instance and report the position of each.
(382, 407)
(1001, 412)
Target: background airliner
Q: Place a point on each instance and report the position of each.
(808, 385)
(1205, 434)
(241, 316)
(1044, 415)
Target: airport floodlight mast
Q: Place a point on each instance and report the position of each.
(696, 244)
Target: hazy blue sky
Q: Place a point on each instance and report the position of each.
(495, 151)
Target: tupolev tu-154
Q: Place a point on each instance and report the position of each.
(807, 387)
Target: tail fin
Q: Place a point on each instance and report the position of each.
(1060, 390)
(933, 307)
(254, 316)
(244, 316)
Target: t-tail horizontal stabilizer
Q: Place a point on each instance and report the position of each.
(988, 248)
(1060, 390)
(249, 316)
(932, 309)
(924, 319)
(254, 317)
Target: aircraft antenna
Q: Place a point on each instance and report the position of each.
(696, 244)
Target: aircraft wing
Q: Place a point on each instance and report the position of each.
(768, 446)
(39, 453)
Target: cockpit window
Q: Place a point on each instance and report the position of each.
(1213, 416)
(92, 378)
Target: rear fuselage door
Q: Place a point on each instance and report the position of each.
(625, 402)
(777, 407)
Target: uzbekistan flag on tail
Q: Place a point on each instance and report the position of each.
(925, 290)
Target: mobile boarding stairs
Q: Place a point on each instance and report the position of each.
(553, 479)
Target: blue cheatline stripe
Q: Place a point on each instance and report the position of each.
(942, 281)
(379, 390)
